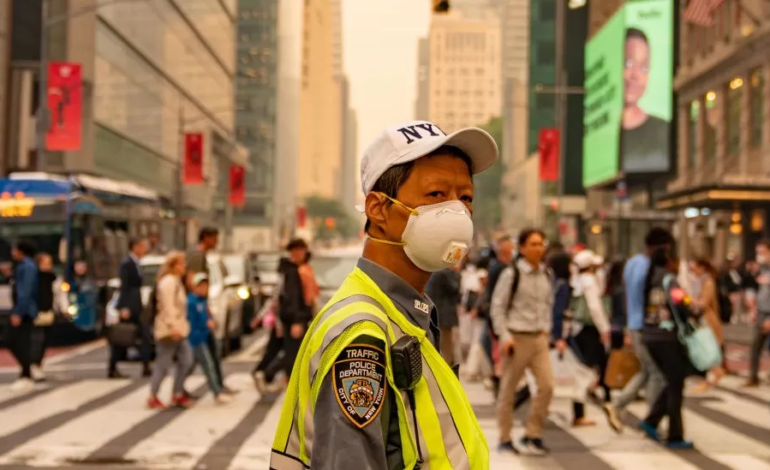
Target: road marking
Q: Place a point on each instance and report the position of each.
(67, 398)
(66, 355)
(182, 442)
(83, 435)
(253, 351)
(255, 452)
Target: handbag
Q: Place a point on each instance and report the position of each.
(122, 335)
(45, 318)
(701, 344)
(622, 366)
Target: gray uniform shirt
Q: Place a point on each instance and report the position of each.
(343, 438)
(531, 309)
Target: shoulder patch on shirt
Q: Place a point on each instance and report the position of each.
(359, 383)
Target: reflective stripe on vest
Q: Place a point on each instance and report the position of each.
(450, 436)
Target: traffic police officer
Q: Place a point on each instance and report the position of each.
(369, 390)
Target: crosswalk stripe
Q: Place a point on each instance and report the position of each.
(184, 440)
(66, 398)
(115, 449)
(710, 437)
(734, 384)
(78, 438)
(103, 422)
(255, 451)
(743, 410)
(741, 461)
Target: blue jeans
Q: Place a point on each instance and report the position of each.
(206, 361)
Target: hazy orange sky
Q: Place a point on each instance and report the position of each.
(380, 57)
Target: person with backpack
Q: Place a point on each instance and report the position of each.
(590, 329)
(521, 313)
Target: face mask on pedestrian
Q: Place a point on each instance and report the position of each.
(436, 236)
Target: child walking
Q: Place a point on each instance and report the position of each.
(200, 328)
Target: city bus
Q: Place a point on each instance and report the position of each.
(77, 219)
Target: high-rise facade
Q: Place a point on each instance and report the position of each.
(421, 103)
(256, 103)
(465, 73)
(321, 114)
(153, 71)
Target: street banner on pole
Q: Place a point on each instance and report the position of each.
(193, 158)
(237, 186)
(548, 148)
(301, 217)
(65, 96)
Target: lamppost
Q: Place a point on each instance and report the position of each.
(45, 24)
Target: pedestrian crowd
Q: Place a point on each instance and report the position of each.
(527, 317)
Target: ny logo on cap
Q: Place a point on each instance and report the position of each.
(418, 131)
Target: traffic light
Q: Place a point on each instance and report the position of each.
(440, 6)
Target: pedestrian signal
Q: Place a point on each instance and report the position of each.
(440, 6)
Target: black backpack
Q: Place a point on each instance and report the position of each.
(517, 277)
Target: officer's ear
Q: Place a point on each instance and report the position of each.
(376, 211)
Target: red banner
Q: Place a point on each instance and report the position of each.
(237, 186)
(301, 217)
(65, 105)
(548, 148)
(193, 158)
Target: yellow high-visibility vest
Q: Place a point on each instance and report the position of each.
(449, 434)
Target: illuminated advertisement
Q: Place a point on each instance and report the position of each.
(628, 93)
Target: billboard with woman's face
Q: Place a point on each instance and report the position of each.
(628, 131)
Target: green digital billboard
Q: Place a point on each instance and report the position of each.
(628, 93)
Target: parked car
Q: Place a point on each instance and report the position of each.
(225, 304)
(266, 265)
(331, 269)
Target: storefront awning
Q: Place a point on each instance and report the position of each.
(715, 197)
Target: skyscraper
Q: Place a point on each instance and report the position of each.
(464, 79)
(320, 104)
(256, 103)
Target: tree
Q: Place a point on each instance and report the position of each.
(487, 209)
(335, 221)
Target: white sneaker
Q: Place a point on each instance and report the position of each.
(37, 374)
(259, 382)
(223, 399)
(23, 385)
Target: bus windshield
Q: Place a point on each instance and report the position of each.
(46, 237)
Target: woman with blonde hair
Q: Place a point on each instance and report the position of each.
(705, 293)
(171, 331)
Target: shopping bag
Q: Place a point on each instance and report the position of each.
(571, 379)
(622, 366)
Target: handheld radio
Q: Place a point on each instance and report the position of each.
(406, 359)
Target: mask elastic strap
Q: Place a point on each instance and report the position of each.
(387, 242)
(396, 201)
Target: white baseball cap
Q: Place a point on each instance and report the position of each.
(585, 259)
(407, 142)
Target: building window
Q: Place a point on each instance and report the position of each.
(546, 53)
(757, 78)
(545, 101)
(692, 138)
(733, 99)
(710, 134)
(547, 10)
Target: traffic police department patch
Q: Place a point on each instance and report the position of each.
(359, 382)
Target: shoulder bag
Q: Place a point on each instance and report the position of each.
(701, 344)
